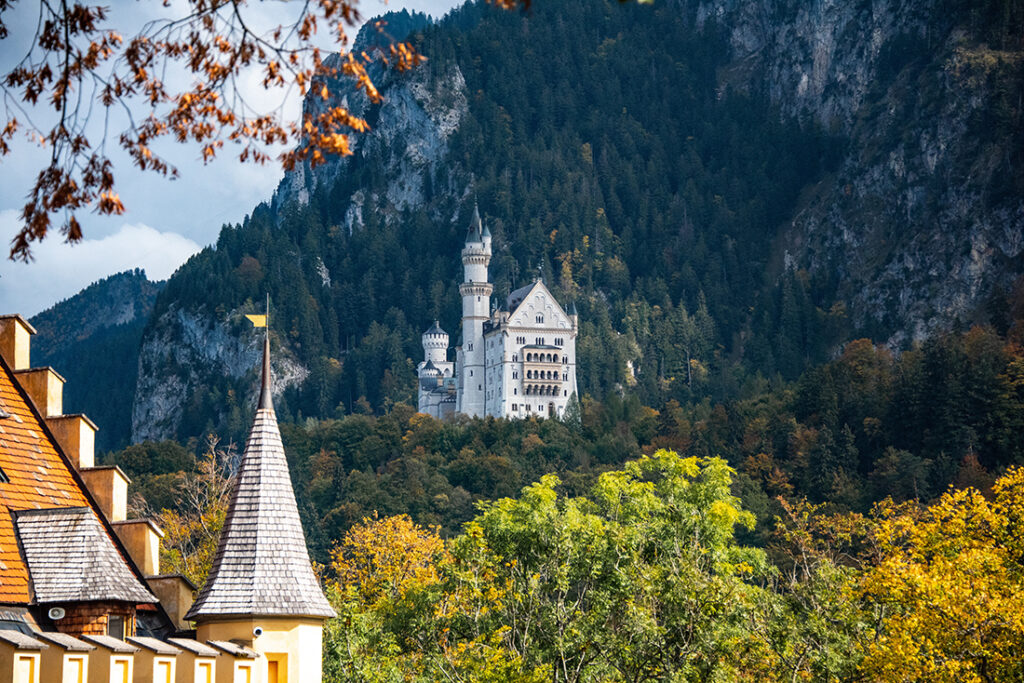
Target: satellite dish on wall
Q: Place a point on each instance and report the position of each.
(56, 613)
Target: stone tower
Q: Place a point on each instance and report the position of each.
(476, 304)
(261, 591)
(435, 345)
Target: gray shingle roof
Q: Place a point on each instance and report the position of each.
(20, 641)
(517, 296)
(262, 566)
(110, 643)
(64, 641)
(71, 558)
(435, 329)
(194, 646)
(154, 645)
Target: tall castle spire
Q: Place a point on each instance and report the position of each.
(476, 303)
(262, 579)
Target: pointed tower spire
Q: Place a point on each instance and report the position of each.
(266, 399)
(262, 566)
(475, 233)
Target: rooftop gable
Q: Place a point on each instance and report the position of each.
(525, 302)
(70, 558)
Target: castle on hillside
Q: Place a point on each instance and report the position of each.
(516, 361)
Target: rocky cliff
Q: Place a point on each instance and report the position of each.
(924, 218)
(409, 134)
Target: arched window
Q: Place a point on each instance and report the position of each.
(555, 358)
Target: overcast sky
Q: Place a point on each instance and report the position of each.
(165, 221)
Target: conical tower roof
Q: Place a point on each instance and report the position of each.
(262, 566)
(475, 226)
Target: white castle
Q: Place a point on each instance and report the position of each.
(519, 361)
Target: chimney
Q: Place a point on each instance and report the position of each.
(45, 387)
(176, 594)
(76, 435)
(109, 486)
(15, 337)
(141, 537)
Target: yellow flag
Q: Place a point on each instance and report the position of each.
(257, 320)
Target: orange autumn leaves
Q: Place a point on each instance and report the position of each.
(80, 75)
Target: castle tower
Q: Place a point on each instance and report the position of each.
(261, 591)
(476, 307)
(435, 344)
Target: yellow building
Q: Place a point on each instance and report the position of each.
(261, 591)
(81, 596)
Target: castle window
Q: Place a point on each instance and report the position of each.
(515, 391)
(566, 392)
(540, 318)
(515, 406)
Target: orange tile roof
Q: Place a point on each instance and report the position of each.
(39, 478)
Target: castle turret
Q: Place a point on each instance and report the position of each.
(435, 344)
(261, 591)
(476, 306)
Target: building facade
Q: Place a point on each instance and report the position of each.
(516, 360)
(82, 597)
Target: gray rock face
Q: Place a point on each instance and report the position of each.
(904, 226)
(181, 351)
(409, 136)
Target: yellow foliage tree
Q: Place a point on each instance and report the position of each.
(383, 559)
(948, 582)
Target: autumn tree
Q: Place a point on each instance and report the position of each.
(81, 74)
(192, 530)
(948, 581)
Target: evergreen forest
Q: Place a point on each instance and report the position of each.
(614, 168)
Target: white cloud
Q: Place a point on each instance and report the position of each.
(61, 270)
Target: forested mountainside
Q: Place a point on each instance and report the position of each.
(727, 190)
(849, 432)
(92, 340)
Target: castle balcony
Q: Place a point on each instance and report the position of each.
(543, 370)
